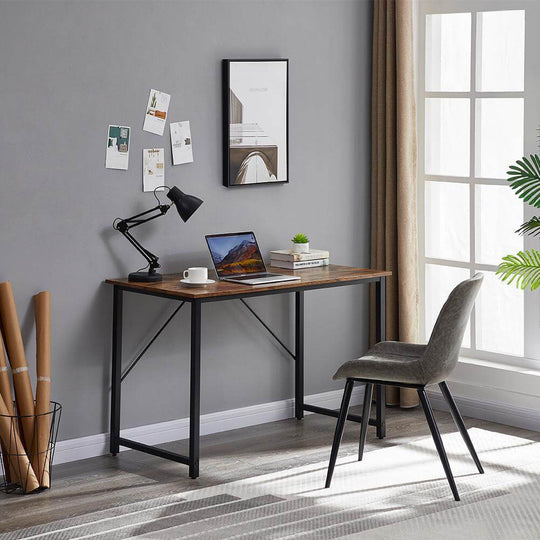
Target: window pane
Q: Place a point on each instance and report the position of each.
(499, 135)
(500, 51)
(447, 136)
(447, 221)
(500, 317)
(448, 52)
(440, 280)
(498, 214)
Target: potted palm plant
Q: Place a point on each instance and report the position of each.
(300, 243)
(524, 266)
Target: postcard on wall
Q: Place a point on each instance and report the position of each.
(153, 168)
(182, 150)
(156, 112)
(117, 153)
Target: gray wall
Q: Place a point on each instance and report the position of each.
(67, 70)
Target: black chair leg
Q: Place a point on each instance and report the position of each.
(424, 400)
(366, 410)
(458, 420)
(340, 426)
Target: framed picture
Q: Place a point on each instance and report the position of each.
(255, 122)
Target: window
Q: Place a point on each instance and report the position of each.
(471, 124)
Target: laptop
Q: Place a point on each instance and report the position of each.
(237, 258)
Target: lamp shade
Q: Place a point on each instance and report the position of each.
(185, 204)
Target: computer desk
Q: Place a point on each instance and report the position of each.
(171, 288)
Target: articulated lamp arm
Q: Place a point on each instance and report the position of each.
(186, 206)
(124, 226)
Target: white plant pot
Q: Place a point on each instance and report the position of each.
(300, 248)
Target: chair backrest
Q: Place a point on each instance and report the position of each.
(442, 351)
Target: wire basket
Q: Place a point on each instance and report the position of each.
(27, 467)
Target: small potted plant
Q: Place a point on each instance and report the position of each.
(300, 243)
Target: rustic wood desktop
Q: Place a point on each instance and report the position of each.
(171, 288)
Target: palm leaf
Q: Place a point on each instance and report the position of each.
(524, 178)
(523, 268)
(531, 227)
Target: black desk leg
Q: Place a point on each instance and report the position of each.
(380, 392)
(195, 390)
(299, 355)
(116, 370)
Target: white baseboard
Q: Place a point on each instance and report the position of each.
(176, 430)
(502, 413)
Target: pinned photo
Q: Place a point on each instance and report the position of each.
(153, 169)
(181, 143)
(117, 153)
(156, 112)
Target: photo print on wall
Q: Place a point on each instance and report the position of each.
(156, 112)
(181, 142)
(255, 124)
(153, 169)
(117, 153)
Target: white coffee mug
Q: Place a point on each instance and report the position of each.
(196, 274)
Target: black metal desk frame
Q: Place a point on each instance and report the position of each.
(192, 460)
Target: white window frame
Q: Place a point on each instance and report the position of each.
(531, 358)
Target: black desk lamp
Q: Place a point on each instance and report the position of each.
(186, 206)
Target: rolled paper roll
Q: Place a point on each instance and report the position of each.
(40, 449)
(5, 383)
(17, 359)
(18, 460)
(5, 393)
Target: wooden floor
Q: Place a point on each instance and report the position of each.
(104, 482)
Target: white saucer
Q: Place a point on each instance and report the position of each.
(197, 283)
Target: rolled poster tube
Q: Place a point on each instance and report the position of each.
(40, 450)
(5, 393)
(18, 460)
(17, 359)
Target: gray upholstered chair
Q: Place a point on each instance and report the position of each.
(414, 366)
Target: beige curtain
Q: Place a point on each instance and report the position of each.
(393, 180)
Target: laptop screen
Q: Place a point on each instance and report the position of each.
(236, 253)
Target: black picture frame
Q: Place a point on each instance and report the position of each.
(240, 159)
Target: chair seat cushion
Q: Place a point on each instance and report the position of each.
(390, 361)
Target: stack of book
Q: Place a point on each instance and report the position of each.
(285, 258)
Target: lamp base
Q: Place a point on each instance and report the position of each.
(145, 277)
